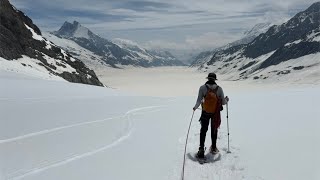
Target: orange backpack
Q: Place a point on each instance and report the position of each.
(211, 100)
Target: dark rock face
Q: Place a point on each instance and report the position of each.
(17, 40)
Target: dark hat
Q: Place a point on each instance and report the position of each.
(212, 76)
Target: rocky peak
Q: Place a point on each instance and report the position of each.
(74, 29)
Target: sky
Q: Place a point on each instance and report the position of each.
(180, 25)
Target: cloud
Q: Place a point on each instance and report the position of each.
(209, 40)
(143, 6)
(179, 24)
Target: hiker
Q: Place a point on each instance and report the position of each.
(211, 98)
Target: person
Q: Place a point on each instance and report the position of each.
(207, 114)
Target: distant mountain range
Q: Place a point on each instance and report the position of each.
(248, 37)
(95, 50)
(292, 47)
(23, 45)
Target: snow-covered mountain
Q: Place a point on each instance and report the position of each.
(24, 49)
(293, 47)
(156, 57)
(95, 50)
(248, 37)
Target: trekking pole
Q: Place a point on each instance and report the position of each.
(228, 128)
(185, 149)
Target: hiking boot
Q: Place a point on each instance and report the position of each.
(214, 150)
(200, 153)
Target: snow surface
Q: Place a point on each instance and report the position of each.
(89, 58)
(34, 67)
(28, 67)
(81, 32)
(124, 43)
(34, 34)
(57, 130)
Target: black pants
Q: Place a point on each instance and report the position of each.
(205, 120)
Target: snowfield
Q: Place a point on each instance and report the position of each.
(55, 130)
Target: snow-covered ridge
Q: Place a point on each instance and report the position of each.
(81, 32)
(248, 36)
(112, 53)
(258, 29)
(35, 53)
(34, 35)
(126, 43)
(28, 67)
(269, 55)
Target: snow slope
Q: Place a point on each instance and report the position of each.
(289, 51)
(91, 59)
(95, 49)
(59, 130)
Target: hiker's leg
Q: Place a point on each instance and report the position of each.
(214, 132)
(214, 136)
(204, 120)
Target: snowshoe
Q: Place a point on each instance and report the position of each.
(214, 150)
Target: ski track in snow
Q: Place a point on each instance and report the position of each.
(47, 131)
(39, 99)
(75, 157)
(72, 126)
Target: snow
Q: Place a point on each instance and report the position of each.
(89, 58)
(314, 36)
(48, 46)
(34, 34)
(123, 43)
(133, 47)
(31, 68)
(294, 42)
(316, 39)
(308, 75)
(81, 32)
(258, 29)
(59, 130)
(59, 69)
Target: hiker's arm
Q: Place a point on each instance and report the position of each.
(221, 96)
(199, 99)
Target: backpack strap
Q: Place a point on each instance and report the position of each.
(216, 89)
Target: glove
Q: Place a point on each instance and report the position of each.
(227, 99)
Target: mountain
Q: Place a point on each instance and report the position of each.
(156, 57)
(22, 44)
(251, 34)
(102, 51)
(292, 47)
(248, 37)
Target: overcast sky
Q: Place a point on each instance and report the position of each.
(177, 24)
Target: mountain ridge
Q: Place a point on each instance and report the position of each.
(21, 38)
(115, 53)
(269, 55)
